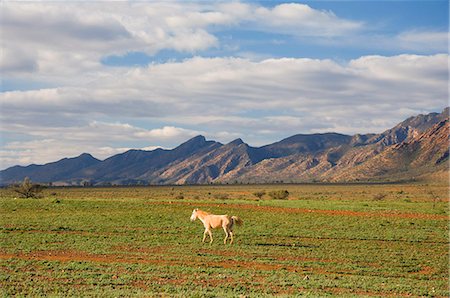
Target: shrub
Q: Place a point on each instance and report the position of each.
(221, 196)
(259, 194)
(27, 189)
(379, 196)
(279, 194)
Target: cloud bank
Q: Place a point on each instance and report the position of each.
(73, 37)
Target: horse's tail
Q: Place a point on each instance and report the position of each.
(237, 220)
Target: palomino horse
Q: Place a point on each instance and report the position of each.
(212, 221)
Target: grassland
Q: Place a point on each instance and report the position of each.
(337, 240)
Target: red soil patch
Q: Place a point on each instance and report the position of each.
(146, 250)
(63, 256)
(79, 256)
(317, 211)
(425, 270)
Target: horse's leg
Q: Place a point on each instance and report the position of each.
(231, 236)
(204, 235)
(210, 236)
(225, 229)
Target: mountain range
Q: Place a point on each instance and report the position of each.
(417, 148)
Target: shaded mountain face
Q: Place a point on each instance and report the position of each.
(137, 166)
(64, 169)
(302, 144)
(415, 148)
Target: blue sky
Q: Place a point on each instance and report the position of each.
(387, 18)
(104, 77)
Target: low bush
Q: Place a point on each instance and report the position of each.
(27, 189)
(259, 194)
(221, 196)
(379, 196)
(279, 194)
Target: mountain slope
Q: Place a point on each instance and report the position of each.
(409, 128)
(421, 155)
(206, 167)
(139, 165)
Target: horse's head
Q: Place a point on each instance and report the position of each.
(194, 214)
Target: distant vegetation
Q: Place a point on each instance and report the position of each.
(259, 194)
(221, 196)
(379, 196)
(28, 189)
(279, 194)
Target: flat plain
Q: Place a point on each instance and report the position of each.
(324, 240)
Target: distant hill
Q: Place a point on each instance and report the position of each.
(67, 169)
(416, 148)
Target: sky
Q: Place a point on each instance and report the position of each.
(108, 76)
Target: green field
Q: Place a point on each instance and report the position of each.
(337, 240)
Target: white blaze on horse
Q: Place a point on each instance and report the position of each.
(212, 221)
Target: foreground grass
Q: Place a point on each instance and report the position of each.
(325, 240)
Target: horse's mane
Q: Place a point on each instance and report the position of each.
(204, 213)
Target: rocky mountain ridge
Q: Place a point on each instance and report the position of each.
(413, 149)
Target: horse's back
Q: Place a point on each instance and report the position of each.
(216, 221)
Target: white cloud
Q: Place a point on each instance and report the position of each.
(61, 41)
(71, 39)
(228, 86)
(17, 61)
(166, 132)
(411, 42)
(96, 132)
(302, 20)
(426, 70)
(50, 150)
(423, 40)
